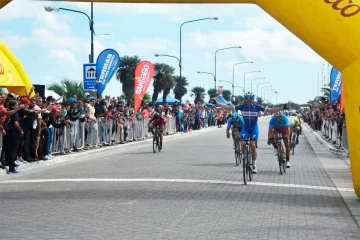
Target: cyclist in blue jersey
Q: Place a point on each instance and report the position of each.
(235, 122)
(250, 129)
(280, 123)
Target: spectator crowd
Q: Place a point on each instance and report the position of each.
(37, 129)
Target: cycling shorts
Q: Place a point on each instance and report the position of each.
(253, 133)
(282, 131)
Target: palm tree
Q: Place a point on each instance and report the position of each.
(259, 100)
(147, 97)
(212, 92)
(198, 93)
(227, 95)
(180, 89)
(68, 88)
(163, 80)
(239, 99)
(125, 75)
(326, 91)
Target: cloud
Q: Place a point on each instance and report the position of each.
(177, 12)
(45, 37)
(259, 21)
(65, 56)
(14, 41)
(258, 44)
(155, 45)
(23, 9)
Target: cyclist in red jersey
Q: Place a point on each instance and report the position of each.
(157, 120)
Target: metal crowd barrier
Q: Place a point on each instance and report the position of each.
(344, 140)
(86, 135)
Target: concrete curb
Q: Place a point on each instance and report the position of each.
(100, 151)
(326, 144)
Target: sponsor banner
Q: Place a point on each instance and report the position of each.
(144, 72)
(107, 64)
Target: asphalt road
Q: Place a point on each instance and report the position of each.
(191, 190)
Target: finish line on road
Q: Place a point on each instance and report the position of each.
(175, 181)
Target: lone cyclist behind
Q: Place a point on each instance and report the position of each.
(235, 123)
(250, 129)
(295, 126)
(157, 120)
(279, 123)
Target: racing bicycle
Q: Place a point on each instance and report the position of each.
(157, 143)
(280, 153)
(293, 141)
(247, 162)
(237, 148)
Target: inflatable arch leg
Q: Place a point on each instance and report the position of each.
(329, 27)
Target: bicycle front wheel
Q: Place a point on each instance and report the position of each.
(245, 167)
(237, 153)
(159, 143)
(293, 143)
(280, 158)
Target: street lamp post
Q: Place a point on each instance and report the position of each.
(209, 74)
(233, 80)
(257, 88)
(262, 90)
(221, 49)
(266, 93)
(245, 77)
(233, 86)
(91, 23)
(196, 20)
(255, 80)
(269, 93)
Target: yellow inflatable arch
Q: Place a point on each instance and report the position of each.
(12, 74)
(332, 29)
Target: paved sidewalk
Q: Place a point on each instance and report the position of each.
(338, 169)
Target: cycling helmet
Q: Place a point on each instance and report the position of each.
(277, 114)
(293, 114)
(156, 114)
(235, 115)
(249, 95)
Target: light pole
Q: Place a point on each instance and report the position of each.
(221, 49)
(209, 74)
(257, 88)
(91, 23)
(196, 20)
(269, 93)
(266, 93)
(245, 77)
(233, 80)
(262, 90)
(233, 86)
(255, 80)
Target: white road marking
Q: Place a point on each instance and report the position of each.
(174, 181)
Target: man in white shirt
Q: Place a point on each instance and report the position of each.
(37, 126)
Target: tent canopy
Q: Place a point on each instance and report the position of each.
(171, 100)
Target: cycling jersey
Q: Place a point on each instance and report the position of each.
(250, 114)
(294, 122)
(157, 121)
(282, 123)
(236, 123)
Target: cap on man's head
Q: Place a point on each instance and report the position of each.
(87, 94)
(24, 100)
